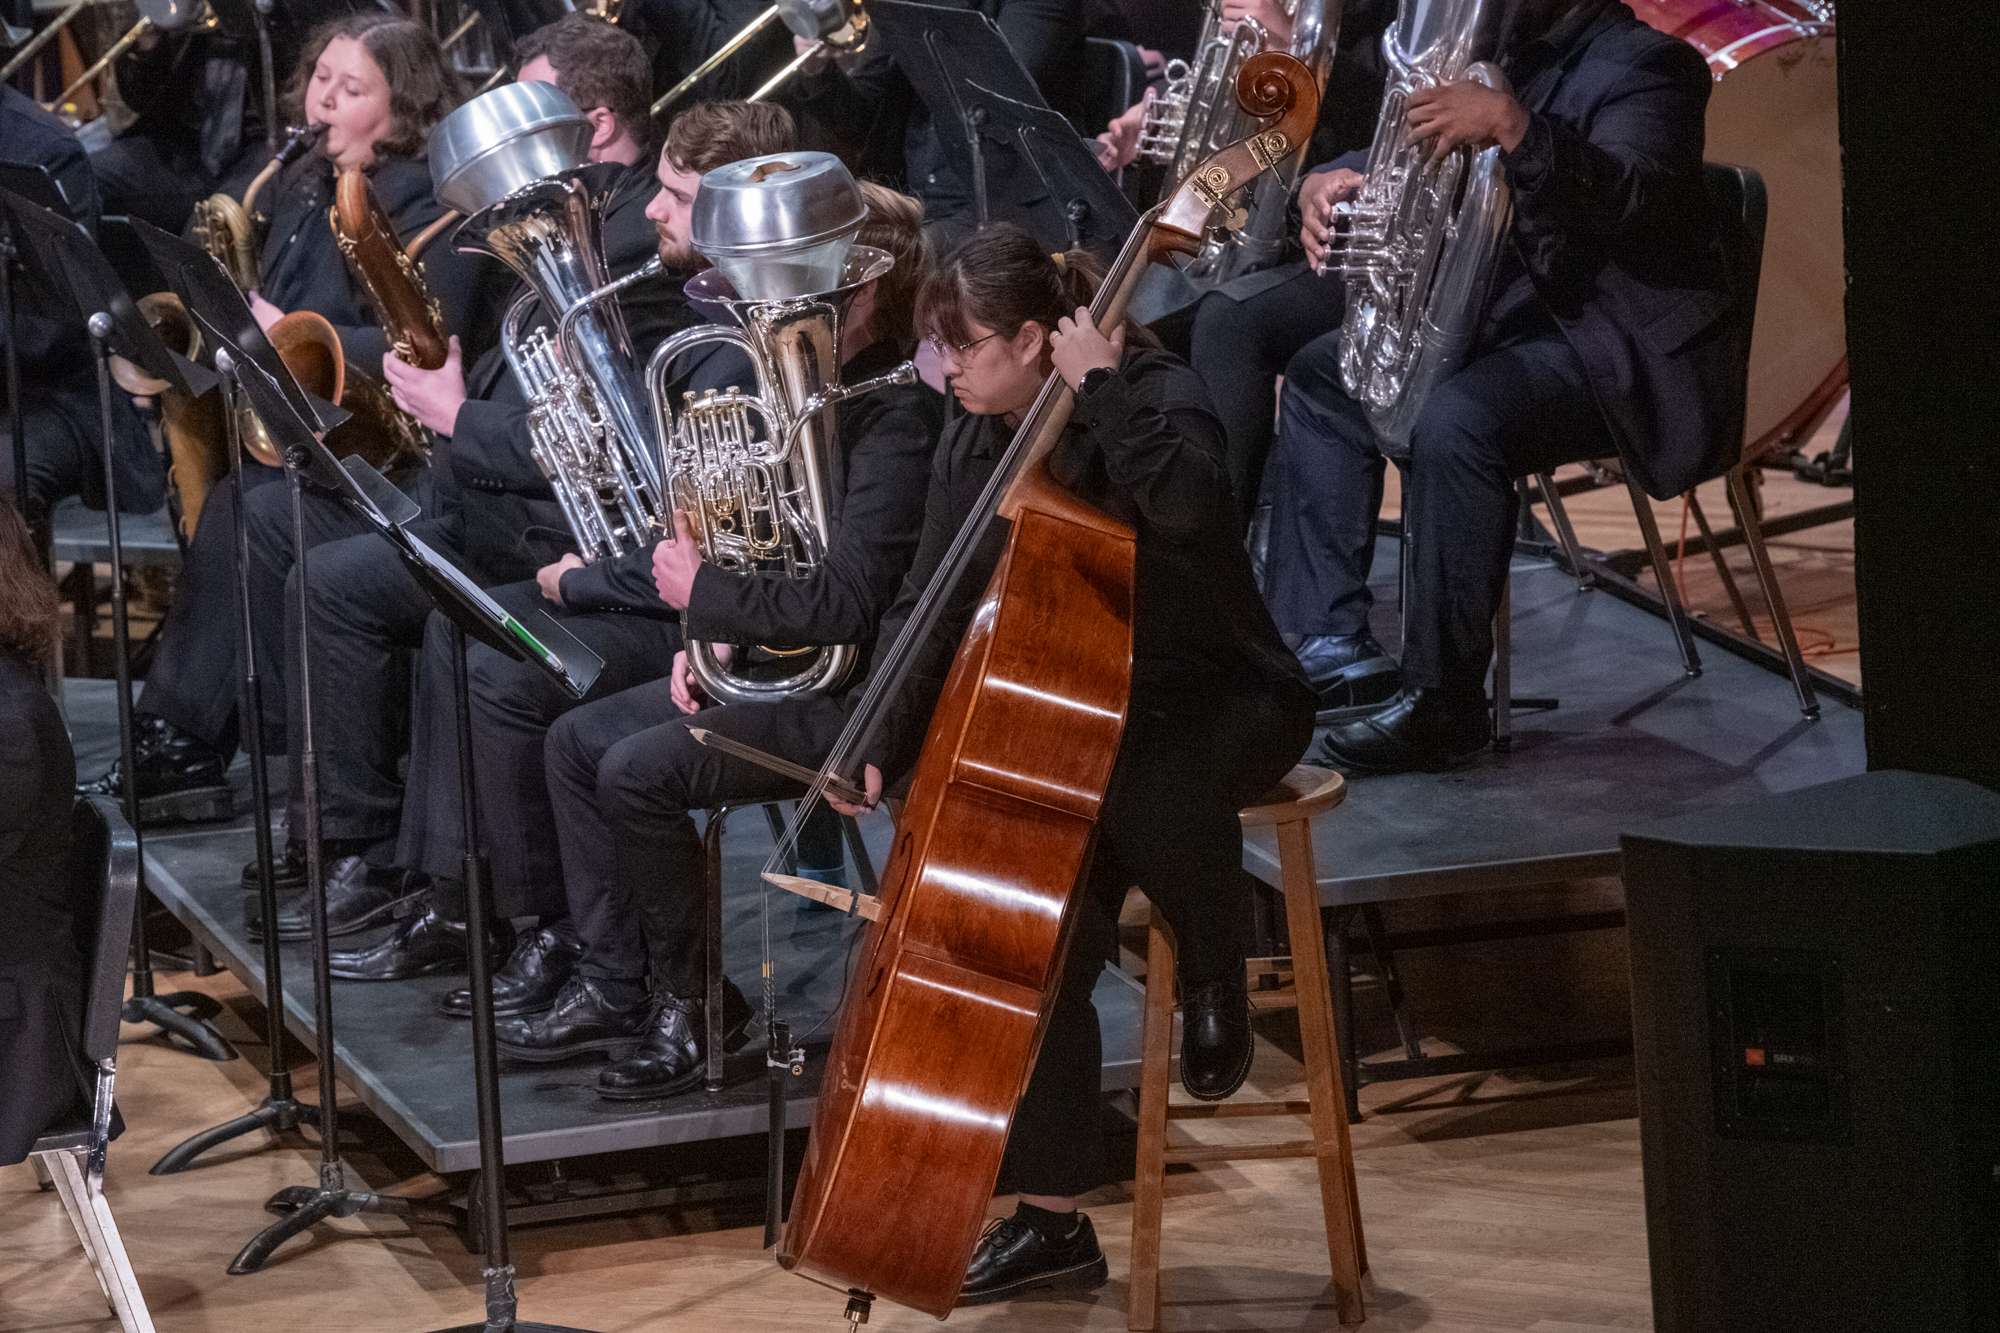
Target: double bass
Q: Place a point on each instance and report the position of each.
(952, 991)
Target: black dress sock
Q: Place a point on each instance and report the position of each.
(1052, 1226)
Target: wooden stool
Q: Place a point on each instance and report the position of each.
(1290, 808)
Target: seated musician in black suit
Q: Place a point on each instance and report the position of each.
(61, 417)
(615, 605)
(489, 508)
(380, 85)
(42, 1073)
(1218, 712)
(1603, 330)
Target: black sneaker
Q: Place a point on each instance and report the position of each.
(1014, 1259)
(181, 778)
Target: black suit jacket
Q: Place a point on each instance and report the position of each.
(1146, 448)
(42, 1074)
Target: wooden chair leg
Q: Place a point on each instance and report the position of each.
(1334, 1150)
(712, 943)
(1767, 577)
(1142, 1306)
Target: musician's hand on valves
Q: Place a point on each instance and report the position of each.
(549, 577)
(1078, 347)
(1321, 191)
(871, 783)
(265, 313)
(1465, 113)
(431, 396)
(1270, 15)
(1119, 143)
(675, 564)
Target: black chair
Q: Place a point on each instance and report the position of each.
(104, 882)
(1116, 79)
(1737, 207)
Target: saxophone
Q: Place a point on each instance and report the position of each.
(1198, 114)
(228, 229)
(1418, 243)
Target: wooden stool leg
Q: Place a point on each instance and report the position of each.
(1339, 1198)
(1142, 1307)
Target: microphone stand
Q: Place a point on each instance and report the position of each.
(261, 10)
(280, 1111)
(181, 1014)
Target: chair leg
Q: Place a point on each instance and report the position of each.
(1736, 601)
(1663, 574)
(1142, 1306)
(1767, 577)
(718, 819)
(68, 1185)
(1559, 520)
(99, 1233)
(1340, 1200)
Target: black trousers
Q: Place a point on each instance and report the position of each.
(1168, 825)
(65, 438)
(197, 666)
(1520, 409)
(626, 777)
(1240, 347)
(512, 707)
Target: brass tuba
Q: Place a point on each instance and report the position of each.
(1417, 245)
(781, 231)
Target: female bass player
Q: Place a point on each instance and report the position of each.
(379, 85)
(1219, 707)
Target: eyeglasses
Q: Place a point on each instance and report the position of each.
(956, 351)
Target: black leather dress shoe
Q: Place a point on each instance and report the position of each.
(288, 869)
(1014, 1259)
(1419, 730)
(1348, 669)
(356, 899)
(1216, 1041)
(181, 778)
(580, 1021)
(422, 944)
(531, 978)
(674, 1055)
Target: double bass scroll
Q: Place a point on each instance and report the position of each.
(956, 978)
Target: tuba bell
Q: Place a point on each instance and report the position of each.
(515, 161)
(1417, 245)
(781, 231)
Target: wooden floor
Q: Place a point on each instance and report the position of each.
(1499, 1202)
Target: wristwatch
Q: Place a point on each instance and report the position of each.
(1094, 379)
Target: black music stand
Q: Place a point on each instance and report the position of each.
(71, 265)
(961, 66)
(1087, 204)
(546, 645)
(217, 305)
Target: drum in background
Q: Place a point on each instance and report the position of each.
(1775, 109)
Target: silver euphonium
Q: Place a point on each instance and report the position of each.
(1199, 114)
(758, 474)
(754, 473)
(515, 161)
(1417, 245)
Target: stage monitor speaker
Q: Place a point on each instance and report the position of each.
(1816, 1015)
